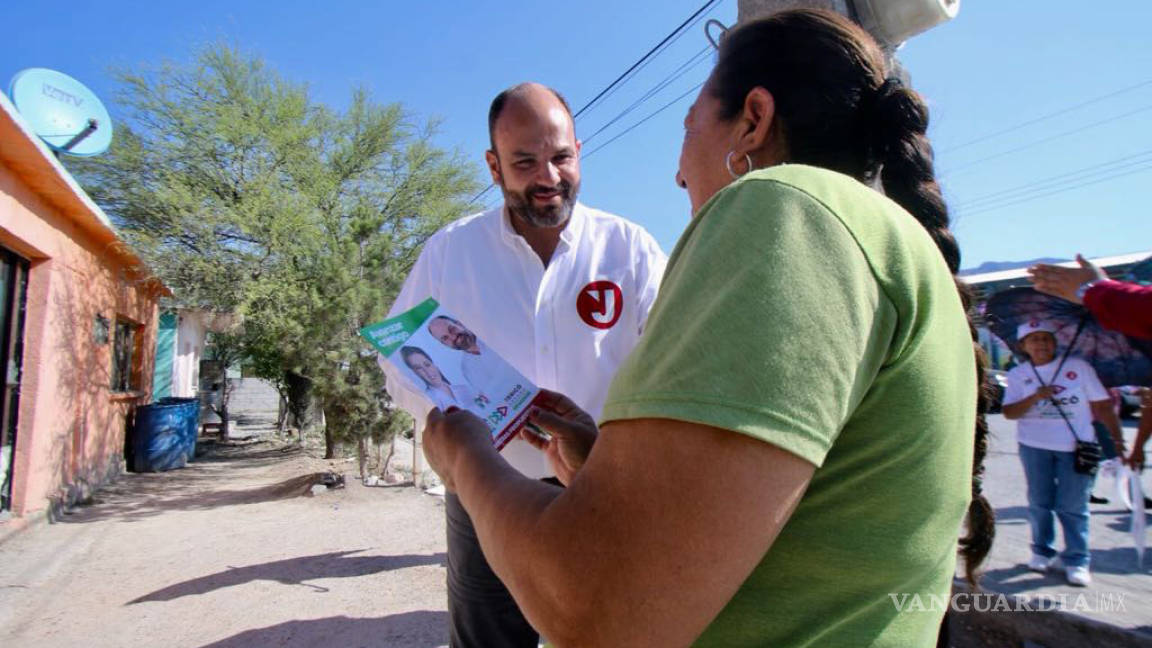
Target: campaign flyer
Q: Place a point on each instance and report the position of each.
(444, 360)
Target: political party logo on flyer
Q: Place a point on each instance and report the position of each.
(1071, 375)
(600, 304)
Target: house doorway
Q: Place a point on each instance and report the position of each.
(13, 303)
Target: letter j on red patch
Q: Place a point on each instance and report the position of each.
(600, 304)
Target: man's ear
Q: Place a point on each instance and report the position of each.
(756, 121)
(493, 167)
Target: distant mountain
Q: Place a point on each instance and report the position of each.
(997, 266)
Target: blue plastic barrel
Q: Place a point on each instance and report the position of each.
(190, 413)
(159, 438)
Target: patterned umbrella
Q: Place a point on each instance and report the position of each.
(1117, 358)
(1141, 272)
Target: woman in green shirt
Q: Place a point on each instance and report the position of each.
(785, 458)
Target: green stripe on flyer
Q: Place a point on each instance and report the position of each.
(391, 334)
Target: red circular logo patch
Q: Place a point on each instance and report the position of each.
(1071, 375)
(600, 304)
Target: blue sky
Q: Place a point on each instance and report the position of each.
(1074, 182)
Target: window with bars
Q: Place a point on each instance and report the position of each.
(123, 355)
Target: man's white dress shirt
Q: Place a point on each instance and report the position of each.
(566, 327)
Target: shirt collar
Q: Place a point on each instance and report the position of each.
(568, 237)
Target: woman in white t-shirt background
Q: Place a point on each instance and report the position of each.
(1054, 400)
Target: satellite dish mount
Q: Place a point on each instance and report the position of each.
(88, 130)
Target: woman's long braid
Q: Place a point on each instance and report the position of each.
(908, 177)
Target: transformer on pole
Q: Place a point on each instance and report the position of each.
(891, 22)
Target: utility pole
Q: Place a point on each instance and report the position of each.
(752, 9)
(891, 22)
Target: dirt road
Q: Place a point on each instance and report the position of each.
(232, 551)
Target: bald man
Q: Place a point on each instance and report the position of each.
(559, 290)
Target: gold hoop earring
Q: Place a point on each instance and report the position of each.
(728, 164)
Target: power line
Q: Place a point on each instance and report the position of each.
(1048, 116)
(649, 54)
(667, 45)
(684, 68)
(480, 195)
(1059, 191)
(969, 165)
(1059, 179)
(650, 116)
(1139, 168)
(1047, 188)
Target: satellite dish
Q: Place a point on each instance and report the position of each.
(62, 111)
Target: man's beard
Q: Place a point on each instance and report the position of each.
(520, 205)
(464, 341)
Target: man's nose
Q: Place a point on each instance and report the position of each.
(550, 174)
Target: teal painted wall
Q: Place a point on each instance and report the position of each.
(165, 353)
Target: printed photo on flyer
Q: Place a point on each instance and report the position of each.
(442, 359)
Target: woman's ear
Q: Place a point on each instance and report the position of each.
(756, 121)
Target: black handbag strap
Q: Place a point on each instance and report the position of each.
(1056, 403)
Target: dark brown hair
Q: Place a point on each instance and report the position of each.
(836, 108)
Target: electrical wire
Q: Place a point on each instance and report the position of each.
(652, 52)
(1126, 170)
(697, 21)
(650, 116)
(1059, 191)
(1056, 180)
(1046, 117)
(684, 68)
(480, 195)
(953, 171)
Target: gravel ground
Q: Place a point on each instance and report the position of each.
(234, 550)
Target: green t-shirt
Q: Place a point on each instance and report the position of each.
(807, 310)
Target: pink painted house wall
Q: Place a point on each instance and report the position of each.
(71, 425)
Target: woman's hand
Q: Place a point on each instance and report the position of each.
(572, 430)
(450, 435)
(1136, 459)
(1044, 392)
(1064, 282)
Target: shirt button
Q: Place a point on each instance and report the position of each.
(544, 349)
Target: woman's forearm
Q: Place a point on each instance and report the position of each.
(1013, 411)
(602, 563)
(507, 509)
(1145, 428)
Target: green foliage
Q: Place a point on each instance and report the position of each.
(247, 196)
